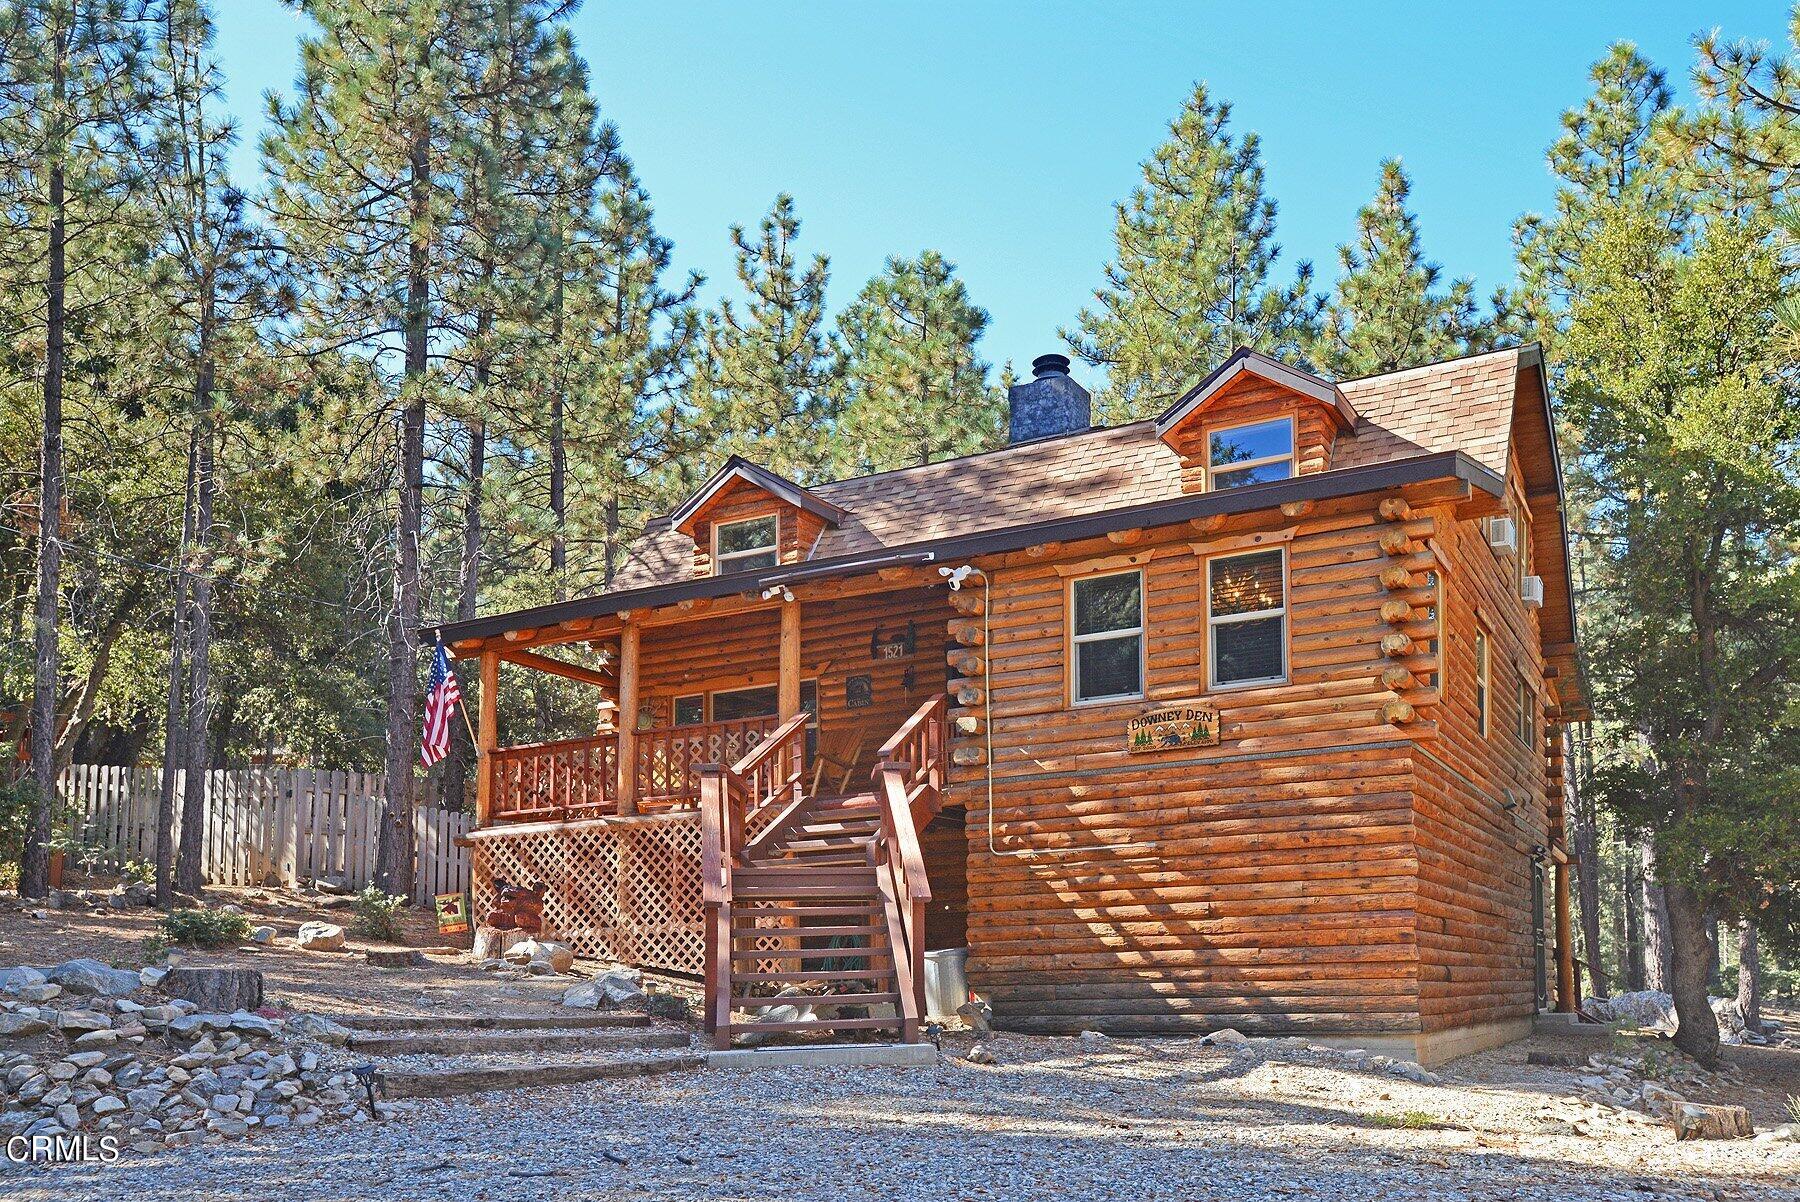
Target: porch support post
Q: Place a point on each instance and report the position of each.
(787, 691)
(628, 717)
(487, 736)
(1566, 1001)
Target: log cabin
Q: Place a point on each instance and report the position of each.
(1247, 716)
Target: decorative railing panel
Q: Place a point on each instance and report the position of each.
(556, 782)
(667, 757)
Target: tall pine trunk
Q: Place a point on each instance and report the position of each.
(1586, 838)
(1749, 989)
(34, 871)
(189, 875)
(1631, 906)
(1659, 970)
(559, 455)
(174, 722)
(469, 570)
(394, 850)
(1696, 1028)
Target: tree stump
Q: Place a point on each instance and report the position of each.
(216, 990)
(1692, 1120)
(491, 943)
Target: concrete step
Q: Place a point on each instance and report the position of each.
(450, 1082)
(462, 1043)
(492, 1022)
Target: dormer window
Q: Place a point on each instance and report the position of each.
(747, 545)
(1250, 454)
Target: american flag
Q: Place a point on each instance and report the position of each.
(442, 698)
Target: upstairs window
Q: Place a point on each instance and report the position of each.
(1106, 621)
(1527, 713)
(746, 546)
(1252, 454)
(1481, 682)
(1246, 618)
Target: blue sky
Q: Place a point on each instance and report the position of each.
(1002, 134)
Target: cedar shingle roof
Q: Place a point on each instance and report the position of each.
(1464, 404)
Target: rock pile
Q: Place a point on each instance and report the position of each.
(88, 1048)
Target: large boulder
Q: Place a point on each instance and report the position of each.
(91, 978)
(18, 1026)
(216, 990)
(14, 979)
(74, 1023)
(585, 996)
(320, 937)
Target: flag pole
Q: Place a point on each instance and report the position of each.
(463, 708)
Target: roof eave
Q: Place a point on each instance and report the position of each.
(1264, 367)
(1318, 486)
(739, 468)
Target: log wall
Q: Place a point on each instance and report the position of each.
(1480, 800)
(1268, 882)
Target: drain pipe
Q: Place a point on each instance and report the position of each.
(956, 577)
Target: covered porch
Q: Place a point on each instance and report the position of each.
(701, 682)
(609, 824)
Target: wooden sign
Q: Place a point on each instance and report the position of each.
(1184, 724)
(452, 913)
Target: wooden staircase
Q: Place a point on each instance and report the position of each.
(822, 910)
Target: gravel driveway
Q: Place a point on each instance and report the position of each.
(1131, 1120)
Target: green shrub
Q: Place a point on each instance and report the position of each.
(143, 872)
(204, 928)
(1794, 1106)
(377, 914)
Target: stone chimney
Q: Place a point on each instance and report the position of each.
(1049, 403)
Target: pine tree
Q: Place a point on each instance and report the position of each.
(1610, 154)
(215, 281)
(1386, 311)
(631, 333)
(915, 388)
(69, 94)
(366, 193)
(1191, 277)
(766, 382)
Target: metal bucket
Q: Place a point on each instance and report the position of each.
(946, 981)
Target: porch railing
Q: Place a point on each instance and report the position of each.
(668, 757)
(579, 778)
(570, 778)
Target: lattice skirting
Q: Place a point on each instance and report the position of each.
(625, 889)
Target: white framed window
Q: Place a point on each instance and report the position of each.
(1482, 691)
(1527, 728)
(746, 545)
(1106, 637)
(1246, 618)
(1253, 453)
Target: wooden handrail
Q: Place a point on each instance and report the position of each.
(908, 782)
(897, 826)
(730, 798)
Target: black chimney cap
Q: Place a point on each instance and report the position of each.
(1052, 364)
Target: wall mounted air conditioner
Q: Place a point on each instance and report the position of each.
(1531, 591)
(1503, 535)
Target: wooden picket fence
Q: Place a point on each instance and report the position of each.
(264, 826)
